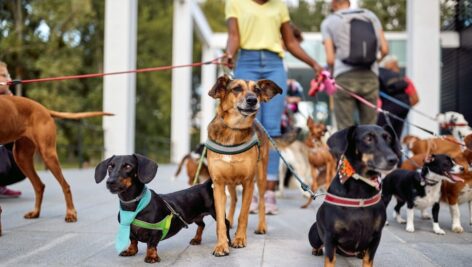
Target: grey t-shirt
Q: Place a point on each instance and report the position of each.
(329, 31)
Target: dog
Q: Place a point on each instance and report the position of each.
(320, 158)
(191, 161)
(127, 176)
(351, 219)
(456, 123)
(420, 190)
(233, 127)
(455, 194)
(443, 145)
(31, 127)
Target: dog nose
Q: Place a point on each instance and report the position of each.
(251, 100)
(392, 160)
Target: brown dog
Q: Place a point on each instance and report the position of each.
(233, 126)
(445, 145)
(455, 194)
(191, 161)
(319, 156)
(31, 127)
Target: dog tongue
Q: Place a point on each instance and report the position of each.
(457, 178)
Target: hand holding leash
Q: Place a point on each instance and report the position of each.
(323, 82)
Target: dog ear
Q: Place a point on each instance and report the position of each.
(268, 89)
(147, 168)
(339, 141)
(101, 170)
(309, 121)
(219, 89)
(395, 145)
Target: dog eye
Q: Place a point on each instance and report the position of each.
(127, 166)
(369, 138)
(110, 166)
(387, 138)
(238, 89)
(257, 90)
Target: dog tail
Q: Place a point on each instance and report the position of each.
(181, 164)
(79, 115)
(287, 138)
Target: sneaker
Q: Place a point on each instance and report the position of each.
(254, 205)
(270, 203)
(8, 193)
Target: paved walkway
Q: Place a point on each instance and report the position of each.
(49, 241)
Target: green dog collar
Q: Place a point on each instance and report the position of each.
(232, 150)
(163, 225)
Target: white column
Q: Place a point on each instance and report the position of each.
(181, 79)
(207, 102)
(423, 51)
(119, 91)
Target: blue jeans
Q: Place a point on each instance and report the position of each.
(262, 64)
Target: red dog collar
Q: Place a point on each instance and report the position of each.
(352, 202)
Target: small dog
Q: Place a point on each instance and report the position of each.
(127, 176)
(320, 158)
(192, 160)
(239, 151)
(32, 128)
(443, 145)
(456, 123)
(351, 219)
(420, 190)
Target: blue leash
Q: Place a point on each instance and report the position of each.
(398, 102)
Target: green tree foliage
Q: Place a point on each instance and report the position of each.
(308, 16)
(392, 13)
(55, 38)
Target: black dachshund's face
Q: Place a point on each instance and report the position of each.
(372, 150)
(124, 171)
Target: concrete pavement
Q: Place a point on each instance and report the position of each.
(49, 241)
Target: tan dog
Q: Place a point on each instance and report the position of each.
(191, 162)
(319, 156)
(444, 145)
(234, 125)
(31, 127)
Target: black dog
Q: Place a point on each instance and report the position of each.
(127, 178)
(420, 190)
(351, 219)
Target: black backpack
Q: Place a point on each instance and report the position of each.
(361, 47)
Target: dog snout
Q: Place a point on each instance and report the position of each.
(251, 100)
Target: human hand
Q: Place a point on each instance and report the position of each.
(317, 69)
(228, 61)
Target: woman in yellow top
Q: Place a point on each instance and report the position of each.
(257, 29)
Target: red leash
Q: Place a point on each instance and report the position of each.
(96, 75)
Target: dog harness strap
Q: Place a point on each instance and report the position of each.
(134, 199)
(175, 213)
(163, 225)
(232, 150)
(352, 202)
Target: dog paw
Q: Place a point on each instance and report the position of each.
(32, 215)
(128, 253)
(195, 242)
(221, 250)
(150, 259)
(71, 217)
(317, 252)
(238, 242)
(400, 220)
(457, 229)
(410, 228)
(261, 230)
(439, 231)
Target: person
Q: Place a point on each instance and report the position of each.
(399, 87)
(352, 39)
(258, 29)
(9, 171)
(294, 96)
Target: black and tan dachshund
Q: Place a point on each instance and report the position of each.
(351, 219)
(127, 176)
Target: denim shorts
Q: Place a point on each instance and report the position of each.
(263, 64)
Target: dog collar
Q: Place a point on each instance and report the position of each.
(352, 202)
(346, 171)
(233, 149)
(134, 199)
